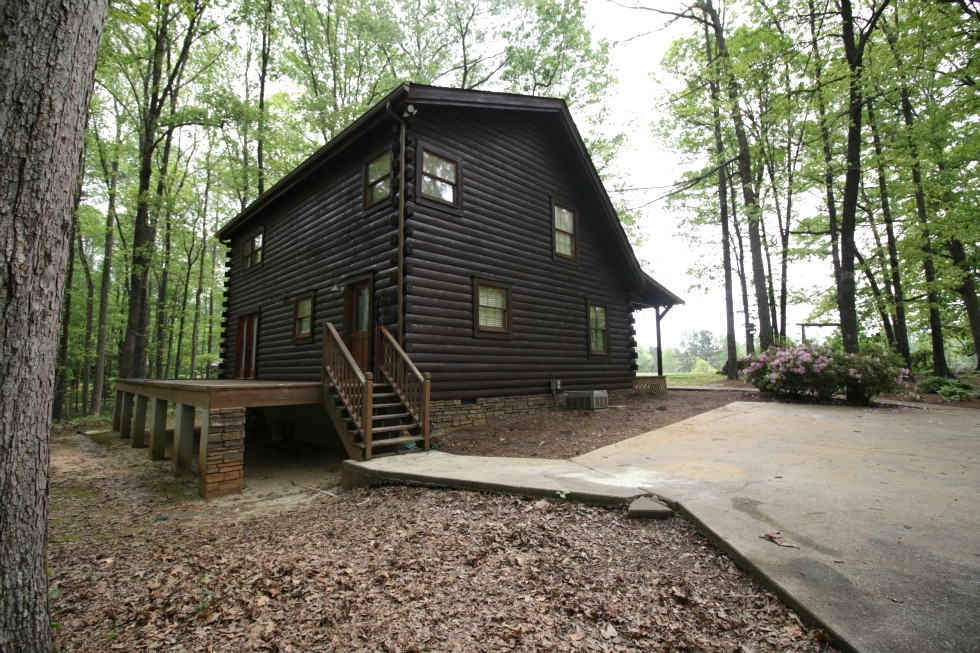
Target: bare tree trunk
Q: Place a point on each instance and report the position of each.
(886, 322)
(901, 329)
(744, 166)
(732, 353)
(111, 173)
(968, 291)
(89, 307)
(195, 331)
(47, 61)
(160, 372)
(263, 76)
(740, 262)
(59, 409)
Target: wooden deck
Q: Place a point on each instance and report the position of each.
(213, 394)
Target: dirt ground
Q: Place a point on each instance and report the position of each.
(139, 563)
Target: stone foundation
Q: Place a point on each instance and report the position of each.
(222, 452)
(450, 414)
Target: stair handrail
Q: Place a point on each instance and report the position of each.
(344, 374)
(411, 386)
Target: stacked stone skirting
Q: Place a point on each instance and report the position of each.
(222, 452)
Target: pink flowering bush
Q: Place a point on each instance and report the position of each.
(820, 372)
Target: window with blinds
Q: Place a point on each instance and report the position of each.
(564, 232)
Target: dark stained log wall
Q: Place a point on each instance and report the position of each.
(512, 164)
(317, 239)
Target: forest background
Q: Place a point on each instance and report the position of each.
(817, 155)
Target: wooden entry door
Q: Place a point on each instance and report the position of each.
(245, 351)
(357, 319)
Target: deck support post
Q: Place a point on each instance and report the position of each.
(126, 425)
(158, 429)
(138, 436)
(183, 439)
(222, 452)
(117, 411)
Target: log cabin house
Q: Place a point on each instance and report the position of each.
(449, 257)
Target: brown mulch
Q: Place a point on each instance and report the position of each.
(136, 564)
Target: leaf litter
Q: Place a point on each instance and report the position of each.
(399, 569)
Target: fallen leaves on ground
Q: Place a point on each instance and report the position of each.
(777, 538)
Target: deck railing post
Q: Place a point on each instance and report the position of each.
(368, 414)
(183, 439)
(426, 383)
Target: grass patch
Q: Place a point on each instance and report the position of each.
(693, 379)
(108, 439)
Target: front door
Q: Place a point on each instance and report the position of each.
(245, 351)
(358, 322)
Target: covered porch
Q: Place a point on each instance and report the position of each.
(141, 415)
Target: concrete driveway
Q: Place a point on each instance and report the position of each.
(883, 505)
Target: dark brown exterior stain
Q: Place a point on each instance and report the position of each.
(515, 156)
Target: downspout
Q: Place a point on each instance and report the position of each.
(401, 224)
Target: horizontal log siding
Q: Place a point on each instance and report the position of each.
(315, 240)
(511, 166)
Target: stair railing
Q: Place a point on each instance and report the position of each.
(411, 386)
(354, 387)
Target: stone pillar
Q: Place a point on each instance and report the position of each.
(158, 429)
(117, 411)
(138, 437)
(183, 439)
(222, 452)
(126, 423)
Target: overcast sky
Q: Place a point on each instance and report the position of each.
(640, 40)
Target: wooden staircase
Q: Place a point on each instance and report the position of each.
(375, 419)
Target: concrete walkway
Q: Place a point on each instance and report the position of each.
(884, 505)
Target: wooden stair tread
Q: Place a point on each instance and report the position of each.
(391, 441)
(381, 418)
(397, 427)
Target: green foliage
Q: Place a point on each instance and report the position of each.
(957, 393)
(935, 384)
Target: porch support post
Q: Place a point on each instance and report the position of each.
(222, 452)
(138, 437)
(126, 425)
(158, 429)
(660, 350)
(117, 411)
(183, 439)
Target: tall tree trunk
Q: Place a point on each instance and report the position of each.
(880, 304)
(195, 331)
(968, 291)
(111, 173)
(263, 76)
(89, 308)
(182, 307)
(47, 61)
(901, 330)
(740, 262)
(59, 410)
(726, 262)
(939, 365)
(744, 161)
(160, 371)
(828, 155)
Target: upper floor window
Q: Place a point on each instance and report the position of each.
(598, 330)
(252, 251)
(564, 231)
(303, 317)
(377, 179)
(440, 178)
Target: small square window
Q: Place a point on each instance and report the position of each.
(440, 179)
(598, 330)
(564, 232)
(377, 179)
(303, 317)
(491, 309)
(252, 251)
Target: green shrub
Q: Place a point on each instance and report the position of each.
(935, 384)
(820, 372)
